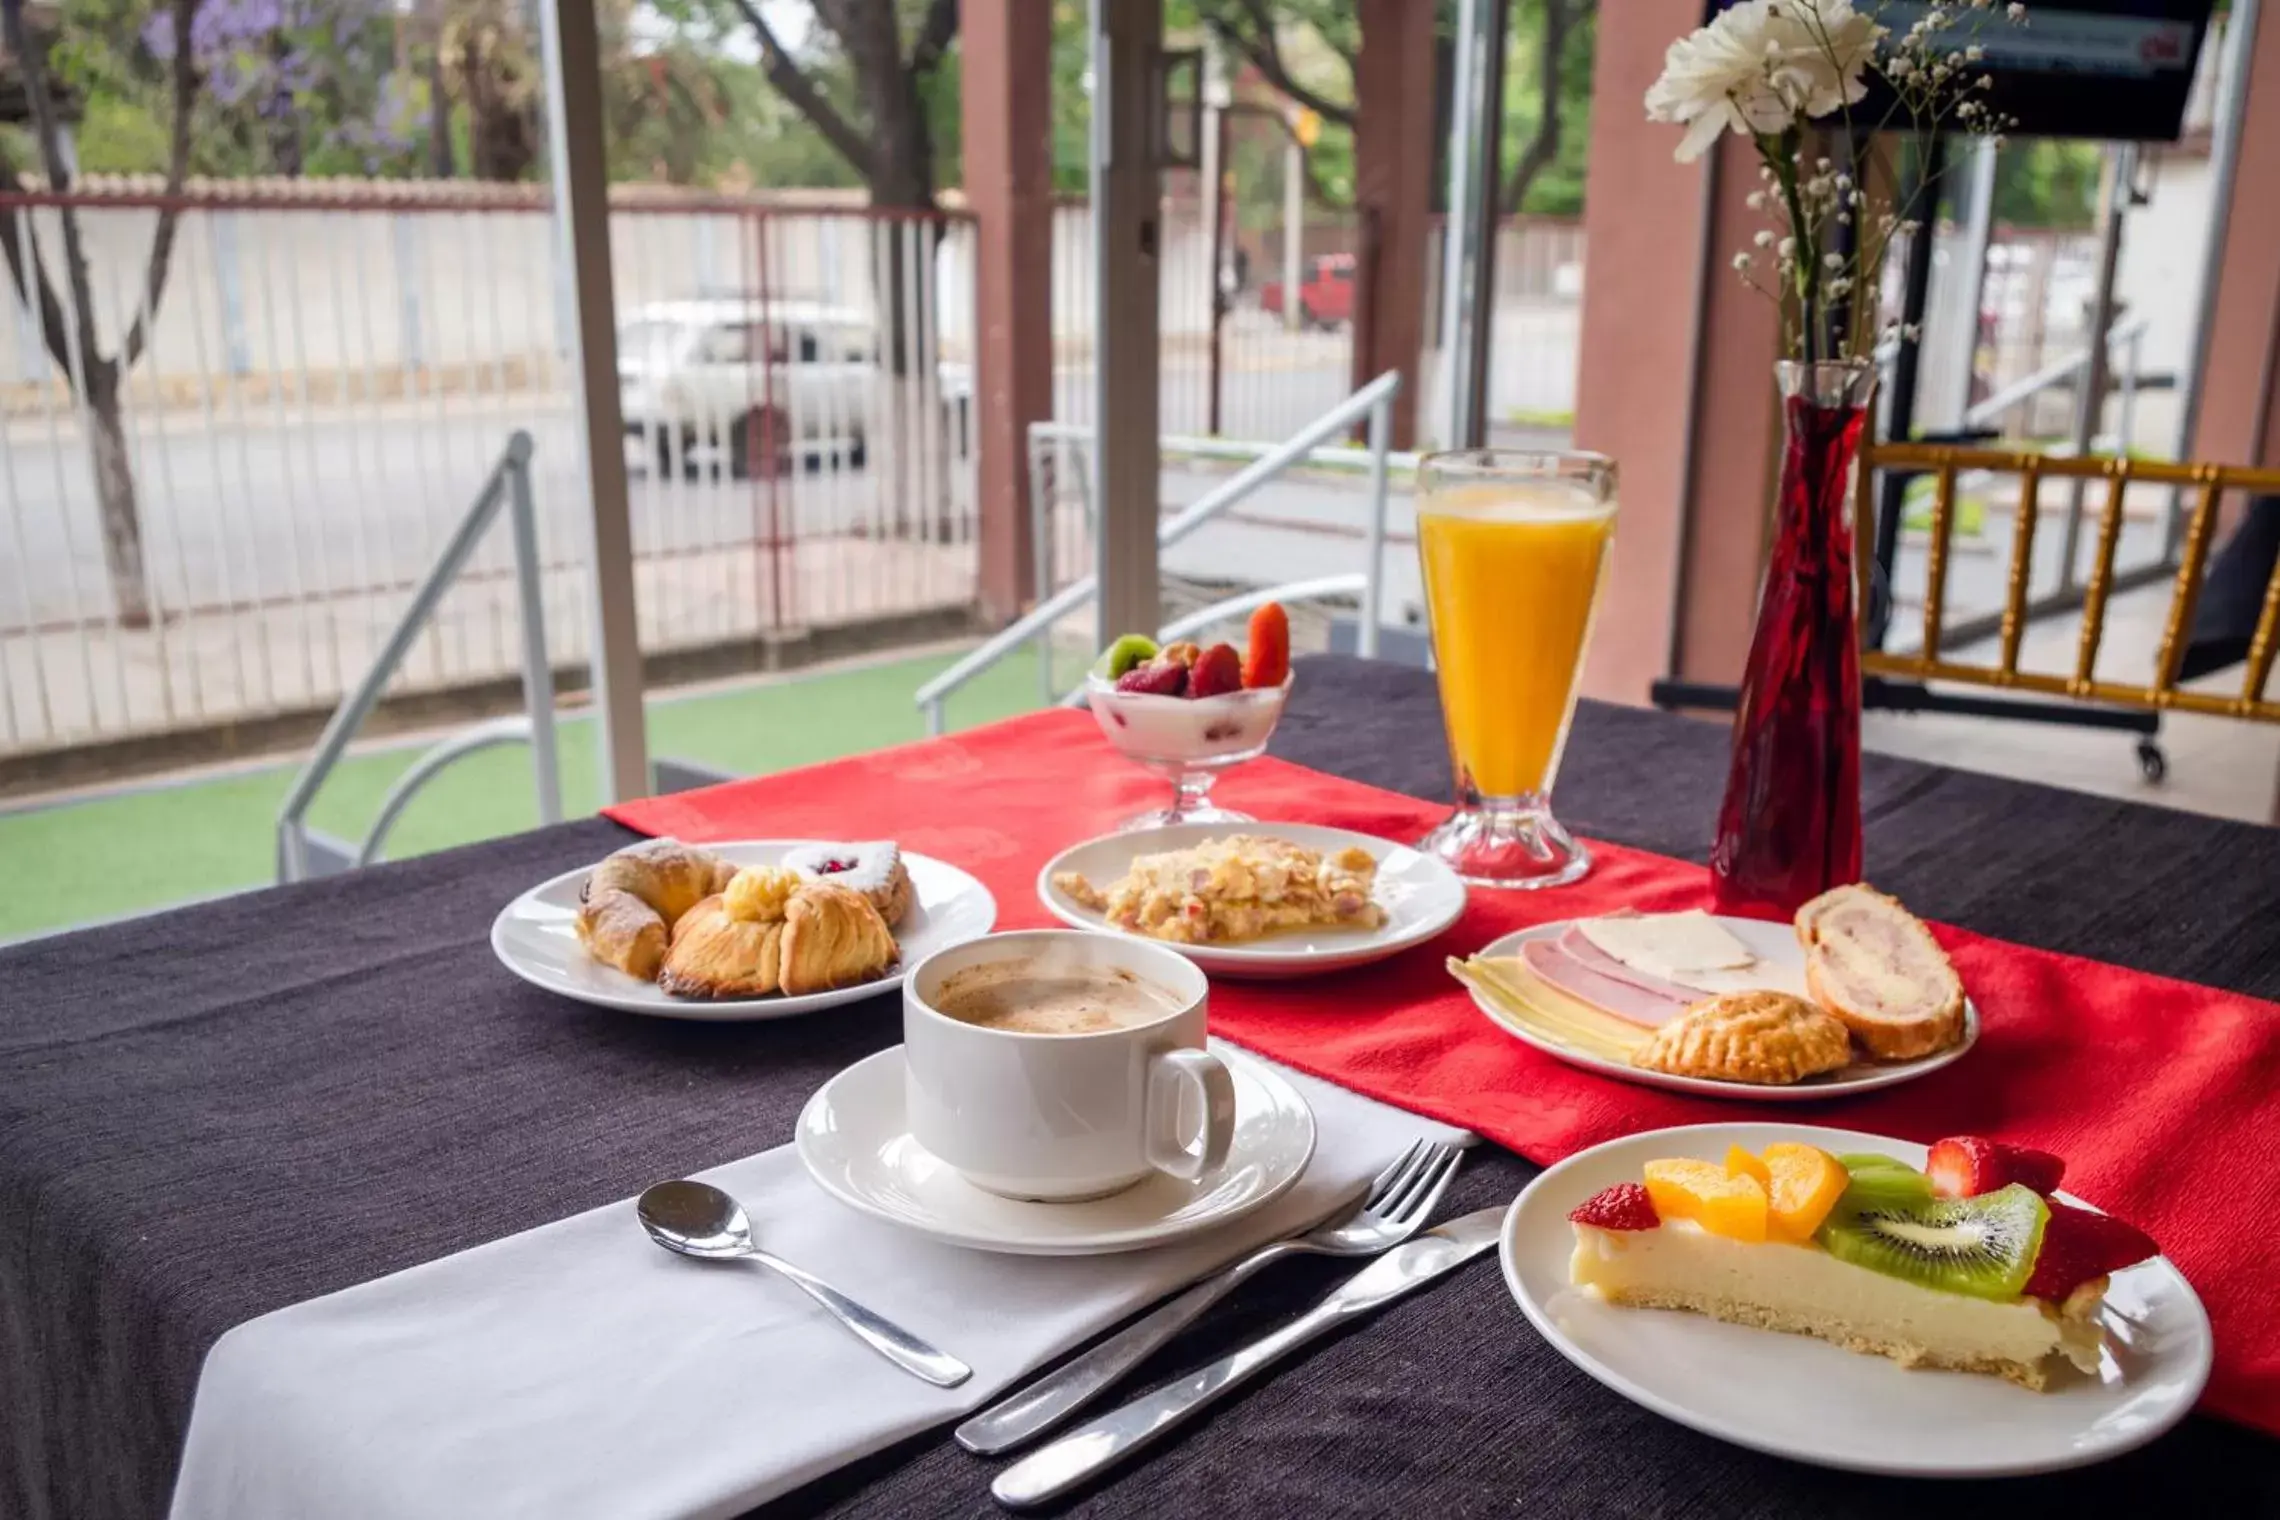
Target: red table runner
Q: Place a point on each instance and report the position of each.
(2163, 1096)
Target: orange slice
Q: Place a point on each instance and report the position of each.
(1740, 1163)
(1803, 1184)
(1701, 1191)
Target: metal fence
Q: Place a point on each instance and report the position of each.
(331, 368)
(328, 376)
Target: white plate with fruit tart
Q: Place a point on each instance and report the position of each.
(1858, 1302)
(1256, 899)
(1855, 995)
(753, 929)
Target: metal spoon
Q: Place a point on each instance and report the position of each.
(700, 1220)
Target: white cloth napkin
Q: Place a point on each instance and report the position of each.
(577, 1369)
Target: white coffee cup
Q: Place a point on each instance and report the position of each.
(1062, 1117)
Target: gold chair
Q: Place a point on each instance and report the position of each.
(1932, 663)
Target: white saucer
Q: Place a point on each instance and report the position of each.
(1805, 1399)
(534, 938)
(1773, 942)
(1420, 895)
(853, 1140)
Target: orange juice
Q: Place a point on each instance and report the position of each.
(1512, 572)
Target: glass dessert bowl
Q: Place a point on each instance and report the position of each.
(1188, 741)
(1187, 713)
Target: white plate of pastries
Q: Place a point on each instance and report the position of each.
(1852, 996)
(1256, 899)
(755, 929)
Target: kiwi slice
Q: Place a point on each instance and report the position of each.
(1885, 1187)
(1856, 1161)
(1984, 1247)
(1120, 657)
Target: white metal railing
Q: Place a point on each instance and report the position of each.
(329, 366)
(2129, 337)
(1373, 402)
(301, 851)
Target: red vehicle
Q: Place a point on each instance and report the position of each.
(1327, 297)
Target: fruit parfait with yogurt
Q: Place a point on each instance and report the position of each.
(1188, 712)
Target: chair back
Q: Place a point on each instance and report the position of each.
(1943, 463)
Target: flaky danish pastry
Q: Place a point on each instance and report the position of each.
(630, 903)
(769, 932)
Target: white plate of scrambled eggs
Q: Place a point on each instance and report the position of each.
(1256, 899)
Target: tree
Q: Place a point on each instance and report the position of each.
(1561, 90)
(287, 87)
(97, 377)
(490, 63)
(882, 126)
(1299, 46)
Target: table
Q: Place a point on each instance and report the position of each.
(214, 1112)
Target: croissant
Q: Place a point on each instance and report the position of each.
(635, 897)
(827, 936)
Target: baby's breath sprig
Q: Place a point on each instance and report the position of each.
(1776, 70)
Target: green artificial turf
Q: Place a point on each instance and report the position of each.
(160, 844)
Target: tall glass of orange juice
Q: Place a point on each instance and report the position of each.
(1514, 547)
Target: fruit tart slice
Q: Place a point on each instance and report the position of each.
(1971, 1267)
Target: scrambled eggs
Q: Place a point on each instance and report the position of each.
(1236, 888)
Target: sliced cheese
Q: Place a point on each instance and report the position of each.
(1523, 999)
(1759, 975)
(1668, 945)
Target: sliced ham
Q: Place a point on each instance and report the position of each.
(1554, 964)
(1578, 944)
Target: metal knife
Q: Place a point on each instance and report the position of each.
(1052, 1470)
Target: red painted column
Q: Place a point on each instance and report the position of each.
(1675, 379)
(1006, 53)
(2239, 421)
(1393, 197)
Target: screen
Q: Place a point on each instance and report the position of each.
(2116, 69)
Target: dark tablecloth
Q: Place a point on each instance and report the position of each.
(214, 1112)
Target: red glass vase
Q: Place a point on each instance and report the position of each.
(1790, 824)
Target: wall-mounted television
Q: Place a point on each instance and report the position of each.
(2116, 69)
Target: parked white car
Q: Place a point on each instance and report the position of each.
(738, 379)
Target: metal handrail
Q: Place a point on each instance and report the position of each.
(508, 482)
(2059, 371)
(1331, 456)
(1321, 588)
(1372, 401)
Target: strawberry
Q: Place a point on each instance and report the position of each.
(2079, 1244)
(1267, 662)
(1964, 1166)
(1155, 679)
(1625, 1206)
(1217, 671)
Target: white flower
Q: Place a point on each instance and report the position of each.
(1742, 262)
(1764, 239)
(1759, 66)
(1788, 248)
(1833, 260)
(2015, 12)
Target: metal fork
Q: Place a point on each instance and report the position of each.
(1399, 1203)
